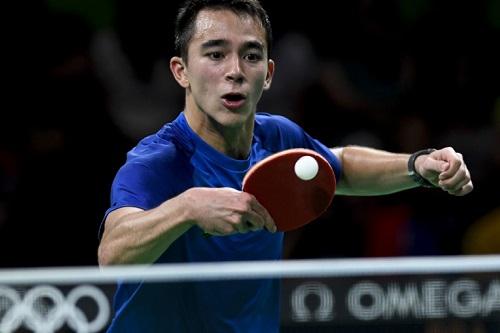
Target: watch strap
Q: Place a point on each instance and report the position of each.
(412, 172)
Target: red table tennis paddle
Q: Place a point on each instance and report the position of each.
(292, 201)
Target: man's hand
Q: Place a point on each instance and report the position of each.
(446, 169)
(225, 211)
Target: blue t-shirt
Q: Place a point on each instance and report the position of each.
(166, 164)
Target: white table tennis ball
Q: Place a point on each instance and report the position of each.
(306, 168)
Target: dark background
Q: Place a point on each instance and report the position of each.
(87, 79)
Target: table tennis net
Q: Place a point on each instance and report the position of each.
(424, 294)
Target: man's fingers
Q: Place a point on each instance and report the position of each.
(455, 182)
(226, 211)
(252, 222)
(455, 160)
(456, 178)
(467, 188)
(459, 184)
(455, 166)
(437, 166)
(446, 168)
(268, 221)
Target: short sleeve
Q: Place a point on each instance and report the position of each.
(313, 144)
(136, 185)
(286, 134)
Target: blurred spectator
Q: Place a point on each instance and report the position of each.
(136, 105)
(132, 62)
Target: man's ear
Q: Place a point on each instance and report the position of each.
(270, 73)
(179, 70)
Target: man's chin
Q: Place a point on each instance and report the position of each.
(236, 118)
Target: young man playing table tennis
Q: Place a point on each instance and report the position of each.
(185, 180)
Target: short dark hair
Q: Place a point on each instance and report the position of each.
(184, 24)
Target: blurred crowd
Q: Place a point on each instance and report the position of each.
(88, 79)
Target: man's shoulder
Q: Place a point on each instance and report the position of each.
(156, 150)
(267, 121)
(276, 126)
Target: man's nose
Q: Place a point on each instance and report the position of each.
(234, 72)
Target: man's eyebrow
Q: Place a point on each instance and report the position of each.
(222, 42)
(213, 43)
(254, 45)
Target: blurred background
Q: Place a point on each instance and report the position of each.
(87, 79)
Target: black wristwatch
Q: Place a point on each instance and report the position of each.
(413, 173)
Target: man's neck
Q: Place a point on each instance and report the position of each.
(234, 141)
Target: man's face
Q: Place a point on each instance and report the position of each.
(227, 67)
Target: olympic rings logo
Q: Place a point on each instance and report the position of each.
(300, 310)
(16, 310)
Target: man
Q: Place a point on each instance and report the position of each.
(182, 182)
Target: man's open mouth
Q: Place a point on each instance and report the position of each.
(233, 97)
(233, 101)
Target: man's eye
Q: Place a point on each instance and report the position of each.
(215, 55)
(253, 57)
